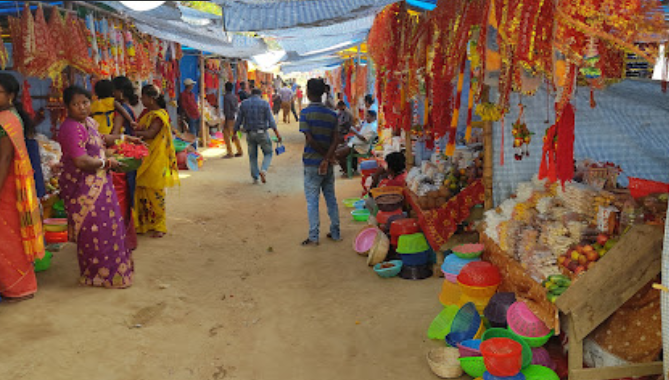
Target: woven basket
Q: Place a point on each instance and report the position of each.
(444, 362)
(379, 250)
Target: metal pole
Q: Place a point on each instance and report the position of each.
(203, 126)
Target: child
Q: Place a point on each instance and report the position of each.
(102, 110)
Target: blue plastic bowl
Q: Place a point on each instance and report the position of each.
(388, 272)
(360, 205)
(488, 376)
(369, 165)
(453, 264)
(414, 259)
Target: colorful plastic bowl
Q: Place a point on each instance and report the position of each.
(414, 243)
(350, 202)
(441, 324)
(360, 215)
(453, 264)
(365, 240)
(473, 366)
(45, 263)
(55, 225)
(537, 372)
(468, 251)
(388, 272)
(524, 323)
(504, 333)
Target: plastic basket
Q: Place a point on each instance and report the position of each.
(450, 293)
(524, 323)
(441, 324)
(479, 302)
(453, 264)
(470, 348)
(466, 325)
(497, 308)
(468, 251)
(473, 366)
(404, 227)
(55, 225)
(365, 240)
(350, 202)
(382, 217)
(535, 342)
(388, 272)
(414, 243)
(390, 202)
(387, 190)
(643, 187)
(504, 333)
(453, 279)
(359, 205)
(180, 145)
(537, 372)
(541, 357)
(502, 356)
(479, 274)
(478, 292)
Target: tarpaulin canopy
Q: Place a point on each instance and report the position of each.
(264, 15)
(203, 31)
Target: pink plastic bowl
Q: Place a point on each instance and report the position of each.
(365, 240)
(523, 322)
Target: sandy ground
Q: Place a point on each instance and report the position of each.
(228, 294)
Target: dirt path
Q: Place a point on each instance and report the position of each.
(228, 294)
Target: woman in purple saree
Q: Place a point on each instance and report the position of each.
(96, 221)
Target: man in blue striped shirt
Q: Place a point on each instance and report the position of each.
(319, 125)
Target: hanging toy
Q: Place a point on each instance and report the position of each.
(591, 71)
(521, 136)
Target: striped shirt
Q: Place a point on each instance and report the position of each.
(321, 122)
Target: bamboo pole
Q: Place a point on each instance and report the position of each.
(487, 156)
(203, 126)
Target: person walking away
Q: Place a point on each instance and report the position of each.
(126, 183)
(105, 107)
(242, 94)
(230, 108)
(361, 140)
(21, 236)
(345, 120)
(190, 107)
(158, 171)
(94, 215)
(300, 98)
(286, 100)
(255, 115)
(276, 104)
(319, 125)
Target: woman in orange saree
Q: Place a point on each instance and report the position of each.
(21, 237)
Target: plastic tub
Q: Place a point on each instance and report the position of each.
(128, 164)
(473, 366)
(382, 217)
(404, 227)
(489, 376)
(536, 342)
(388, 272)
(502, 356)
(359, 205)
(390, 202)
(468, 251)
(504, 333)
(422, 258)
(524, 323)
(56, 237)
(451, 278)
(365, 240)
(450, 293)
(441, 324)
(414, 243)
(478, 292)
(180, 145)
(479, 302)
(360, 215)
(369, 165)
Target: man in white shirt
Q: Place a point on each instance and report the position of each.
(361, 141)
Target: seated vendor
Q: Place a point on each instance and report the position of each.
(361, 141)
(394, 175)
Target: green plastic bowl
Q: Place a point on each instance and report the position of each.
(416, 243)
(468, 251)
(535, 342)
(441, 325)
(504, 333)
(180, 145)
(128, 164)
(538, 372)
(350, 202)
(473, 366)
(360, 215)
(43, 264)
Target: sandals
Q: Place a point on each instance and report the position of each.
(309, 242)
(333, 239)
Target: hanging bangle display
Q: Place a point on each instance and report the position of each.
(104, 163)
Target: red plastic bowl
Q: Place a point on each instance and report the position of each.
(383, 216)
(502, 356)
(479, 274)
(404, 227)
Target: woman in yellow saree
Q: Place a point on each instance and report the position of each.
(159, 170)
